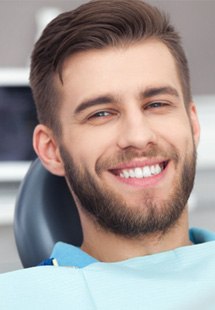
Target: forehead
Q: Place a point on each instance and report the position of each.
(118, 70)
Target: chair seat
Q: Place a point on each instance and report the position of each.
(45, 213)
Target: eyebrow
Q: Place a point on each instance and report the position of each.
(154, 91)
(94, 101)
(106, 99)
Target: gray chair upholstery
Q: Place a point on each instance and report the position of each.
(45, 213)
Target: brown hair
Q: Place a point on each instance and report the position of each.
(96, 25)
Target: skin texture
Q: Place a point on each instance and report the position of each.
(123, 108)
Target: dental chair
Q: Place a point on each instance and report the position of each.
(45, 213)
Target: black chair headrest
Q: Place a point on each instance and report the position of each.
(45, 213)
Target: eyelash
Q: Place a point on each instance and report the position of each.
(99, 114)
(156, 105)
(105, 114)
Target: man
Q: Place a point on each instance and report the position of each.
(111, 85)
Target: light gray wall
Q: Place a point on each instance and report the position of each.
(195, 19)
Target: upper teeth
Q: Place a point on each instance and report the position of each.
(139, 172)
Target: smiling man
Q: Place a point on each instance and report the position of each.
(132, 168)
(111, 85)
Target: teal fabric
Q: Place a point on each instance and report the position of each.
(178, 279)
(69, 255)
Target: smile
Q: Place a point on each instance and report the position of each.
(141, 172)
(144, 172)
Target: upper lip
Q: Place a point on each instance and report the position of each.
(139, 163)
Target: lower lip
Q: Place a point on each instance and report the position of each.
(143, 182)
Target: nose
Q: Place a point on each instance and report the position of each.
(136, 131)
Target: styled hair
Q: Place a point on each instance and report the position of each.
(96, 25)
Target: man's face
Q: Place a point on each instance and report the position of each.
(127, 140)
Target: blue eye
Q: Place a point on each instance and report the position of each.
(101, 117)
(100, 114)
(156, 105)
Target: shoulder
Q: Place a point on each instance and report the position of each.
(45, 285)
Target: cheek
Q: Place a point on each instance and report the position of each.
(87, 146)
(176, 132)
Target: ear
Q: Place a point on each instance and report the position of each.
(194, 122)
(46, 147)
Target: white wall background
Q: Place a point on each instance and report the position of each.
(195, 19)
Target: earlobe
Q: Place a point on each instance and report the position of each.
(46, 147)
(194, 123)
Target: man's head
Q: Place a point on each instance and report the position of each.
(119, 122)
(98, 25)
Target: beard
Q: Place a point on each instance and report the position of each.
(109, 210)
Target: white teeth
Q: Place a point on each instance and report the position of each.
(157, 169)
(131, 173)
(139, 172)
(146, 172)
(153, 170)
(125, 174)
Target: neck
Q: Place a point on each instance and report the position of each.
(109, 247)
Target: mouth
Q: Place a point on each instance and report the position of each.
(141, 172)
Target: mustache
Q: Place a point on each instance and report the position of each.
(127, 155)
